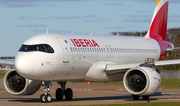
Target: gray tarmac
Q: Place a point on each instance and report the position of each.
(87, 94)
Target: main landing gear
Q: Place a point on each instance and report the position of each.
(136, 97)
(60, 92)
(46, 97)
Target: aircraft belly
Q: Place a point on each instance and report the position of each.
(74, 70)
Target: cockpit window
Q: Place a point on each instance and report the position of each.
(41, 47)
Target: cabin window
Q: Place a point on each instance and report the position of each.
(71, 49)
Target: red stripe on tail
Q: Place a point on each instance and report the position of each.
(158, 28)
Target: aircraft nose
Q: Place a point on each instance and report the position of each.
(21, 65)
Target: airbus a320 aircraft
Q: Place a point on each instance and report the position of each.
(48, 58)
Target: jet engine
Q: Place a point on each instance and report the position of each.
(18, 85)
(141, 81)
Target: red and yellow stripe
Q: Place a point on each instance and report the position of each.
(157, 2)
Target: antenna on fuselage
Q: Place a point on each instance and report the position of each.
(117, 34)
(47, 31)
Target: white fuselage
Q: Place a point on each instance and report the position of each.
(74, 55)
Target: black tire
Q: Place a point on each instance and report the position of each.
(42, 98)
(59, 94)
(145, 97)
(68, 94)
(135, 97)
(48, 98)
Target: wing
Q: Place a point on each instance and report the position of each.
(122, 68)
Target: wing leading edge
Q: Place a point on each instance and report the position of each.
(122, 68)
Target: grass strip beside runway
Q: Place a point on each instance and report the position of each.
(165, 83)
(143, 104)
(2, 73)
(170, 83)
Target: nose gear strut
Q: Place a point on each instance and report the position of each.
(46, 97)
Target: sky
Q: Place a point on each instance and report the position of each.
(22, 19)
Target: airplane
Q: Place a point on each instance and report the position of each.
(47, 58)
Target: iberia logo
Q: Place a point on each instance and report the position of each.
(155, 78)
(84, 43)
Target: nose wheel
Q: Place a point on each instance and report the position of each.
(46, 97)
(60, 92)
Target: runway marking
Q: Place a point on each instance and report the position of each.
(162, 88)
(98, 89)
(90, 89)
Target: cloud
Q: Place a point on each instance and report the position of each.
(140, 11)
(138, 18)
(19, 4)
(40, 18)
(115, 28)
(152, 1)
(141, 18)
(52, 17)
(133, 26)
(51, 31)
(174, 1)
(174, 18)
(102, 19)
(120, 16)
(114, 4)
(89, 16)
(49, 5)
(31, 3)
(66, 17)
(31, 25)
(149, 1)
(98, 20)
(41, 0)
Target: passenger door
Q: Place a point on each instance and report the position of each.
(64, 46)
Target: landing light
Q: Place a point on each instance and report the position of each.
(88, 82)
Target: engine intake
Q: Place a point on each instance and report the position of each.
(141, 81)
(136, 80)
(17, 85)
(16, 82)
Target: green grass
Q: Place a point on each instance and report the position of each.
(2, 73)
(143, 104)
(170, 68)
(118, 83)
(165, 83)
(170, 83)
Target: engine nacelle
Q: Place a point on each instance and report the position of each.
(18, 85)
(141, 81)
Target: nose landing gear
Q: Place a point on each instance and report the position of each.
(60, 92)
(46, 97)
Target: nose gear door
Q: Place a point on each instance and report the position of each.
(65, 49)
